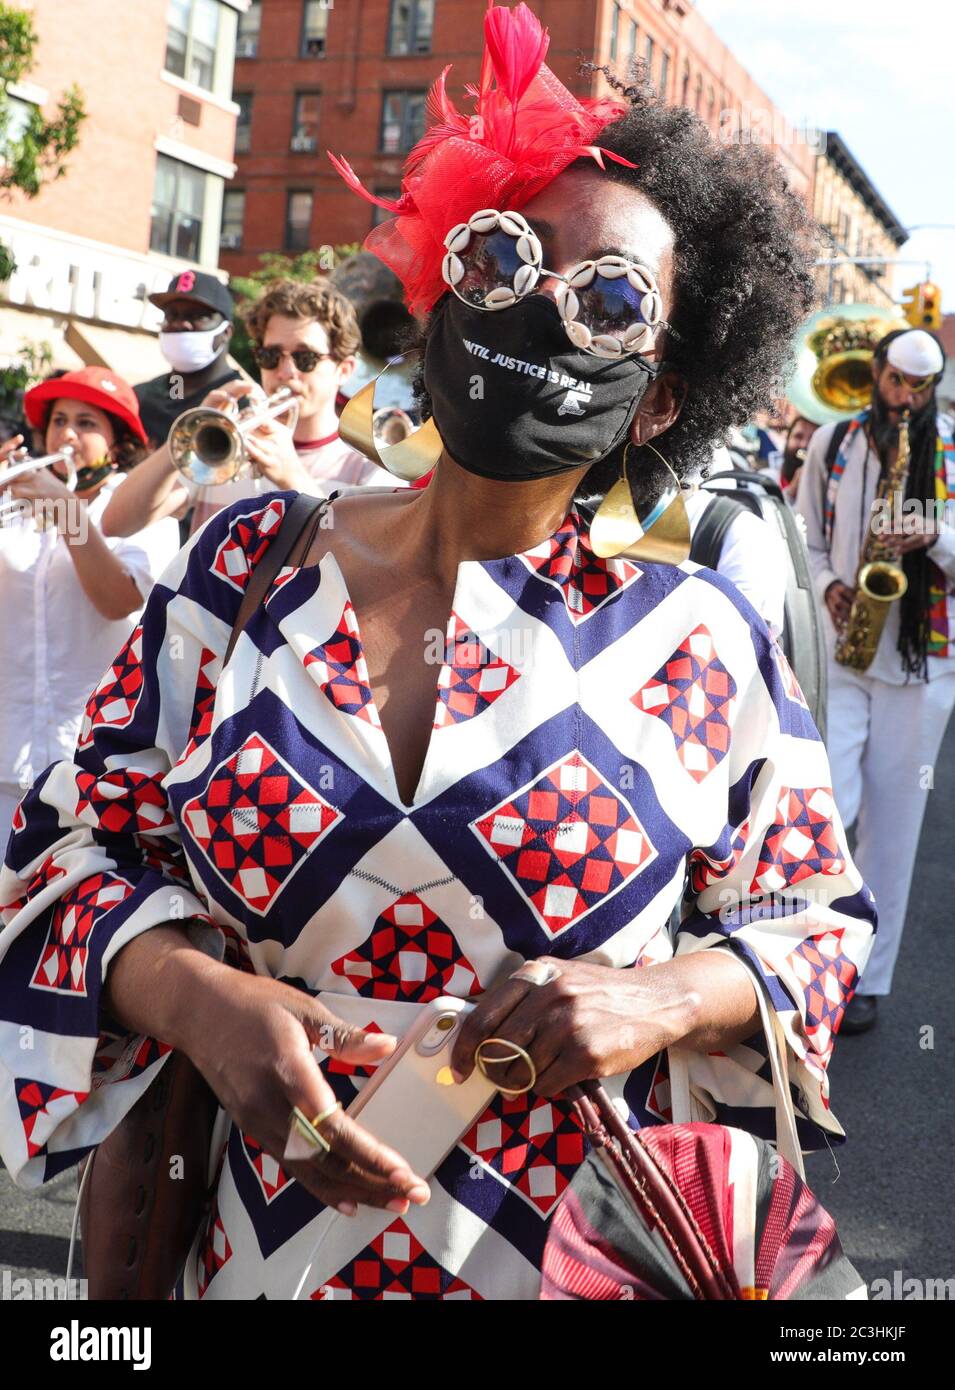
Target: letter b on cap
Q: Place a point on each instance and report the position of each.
(187, 281)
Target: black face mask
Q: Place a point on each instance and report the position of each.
(514, 400)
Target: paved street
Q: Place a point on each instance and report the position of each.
(894, 1099)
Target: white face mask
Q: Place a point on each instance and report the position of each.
(190, 351)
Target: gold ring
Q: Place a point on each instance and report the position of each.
(308, 1128)
(517, 1054)
(319, 1119)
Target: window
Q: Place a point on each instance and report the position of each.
(19, 114)
(698, 99)
(710, 104)
(648, 56)
(298, 220)
(614, 33)
(634, 29)
(233, 216)
(192, 35)
(250, 23)
(402, 121)
(305, 124)
(382, 214)
(243, 124)
(685, 90)
(410, 29)
(664, 73)
(314, 28)
(178, 201)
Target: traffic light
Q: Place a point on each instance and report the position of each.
(922, 305)
(930, 305)
(910, 305)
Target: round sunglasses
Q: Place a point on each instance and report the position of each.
(609, 306)
(305, 359)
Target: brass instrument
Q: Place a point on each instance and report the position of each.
(880, 579)
(15, 508)
(208, 446)
(833, 376)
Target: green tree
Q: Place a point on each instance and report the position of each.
(315, 264)
(33, 147)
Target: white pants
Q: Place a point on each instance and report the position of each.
(883, 741)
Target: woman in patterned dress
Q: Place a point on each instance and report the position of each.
(366, 828)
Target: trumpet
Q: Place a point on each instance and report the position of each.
(15, 508)
(208, 446)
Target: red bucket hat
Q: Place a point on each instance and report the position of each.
(95, 385)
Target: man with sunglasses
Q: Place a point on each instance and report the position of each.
(194, 339)
(885, 724)
(305, 336)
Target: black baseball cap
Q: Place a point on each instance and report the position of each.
(205, 289)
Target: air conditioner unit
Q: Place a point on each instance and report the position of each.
(230, 241)
(304, 143)
(246, 48)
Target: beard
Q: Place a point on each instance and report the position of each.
(885, 427)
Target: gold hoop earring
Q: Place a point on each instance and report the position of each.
(660, 535)
(410, 458)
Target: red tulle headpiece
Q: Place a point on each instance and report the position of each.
(525, 131)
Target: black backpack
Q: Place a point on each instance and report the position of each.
(802, 637)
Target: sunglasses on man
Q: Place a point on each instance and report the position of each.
(199, 318)
(305, 359)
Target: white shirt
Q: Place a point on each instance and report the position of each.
(840, 560)
(752, 557)
(54, 644)
(334, 466)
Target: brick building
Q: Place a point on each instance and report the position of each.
(858, 223)
(143, 192)
(352, 76)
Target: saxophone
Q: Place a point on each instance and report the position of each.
(880, 579)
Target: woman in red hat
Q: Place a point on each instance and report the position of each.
(71, 596)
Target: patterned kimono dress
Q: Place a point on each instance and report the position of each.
(603, 732)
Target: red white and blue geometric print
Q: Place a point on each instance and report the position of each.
(828, 979)
(62, 963)
(255, 822)
(801, 843)
(126, 801)
(113, 702)
(247, 540)
(343, 674)
(215, 1250)
(41, 1109)
(472, 678)
(567, 840)
(270, 1175)
(693, 693)
(410, 954)
(536, 1145)
(524, 837)
(584, 582)
(395, 1266)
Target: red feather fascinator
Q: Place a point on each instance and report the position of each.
(526, 129)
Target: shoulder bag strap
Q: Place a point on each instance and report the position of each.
(707, 545)
(304, 509)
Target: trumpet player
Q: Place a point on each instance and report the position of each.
(71, 596)
(886, 721)
(305, 337)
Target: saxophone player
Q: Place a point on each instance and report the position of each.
(888, 709)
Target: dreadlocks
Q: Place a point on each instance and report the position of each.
(914, 624)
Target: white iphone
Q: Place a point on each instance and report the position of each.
(411, 1101)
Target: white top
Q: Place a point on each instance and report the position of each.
(752, 557)
(840, 560)
(54, 644)
(335, 465)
